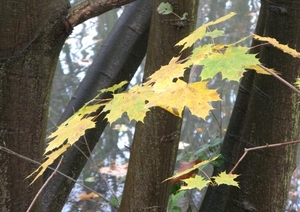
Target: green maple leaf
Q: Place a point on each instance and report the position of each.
(231, 63)
(133, 102)
(227, 179)
(197, 182)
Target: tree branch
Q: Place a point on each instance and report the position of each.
(91, 8)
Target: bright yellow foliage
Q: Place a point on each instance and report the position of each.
(195, 96)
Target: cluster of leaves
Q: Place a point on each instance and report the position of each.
(165, 89)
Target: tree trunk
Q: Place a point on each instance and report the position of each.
(32, 34)
(117, 60)
(266, 112)
(29, 49)
(154, 149)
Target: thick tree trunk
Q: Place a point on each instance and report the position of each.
(29, 49)
(266, 112)
(154, 149)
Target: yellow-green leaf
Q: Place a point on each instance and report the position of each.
(133, 102)
(227, 179)
(200, 32)
(197, 182)
(231, 63)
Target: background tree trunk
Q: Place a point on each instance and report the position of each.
(117, 60)
(29, 49)
(266, 112)
(154, 149)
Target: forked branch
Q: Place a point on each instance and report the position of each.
(91, 8)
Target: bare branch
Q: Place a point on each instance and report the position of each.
(41, 189)
(91, 8)
(279, 78)
(2, 148)
(246, 150)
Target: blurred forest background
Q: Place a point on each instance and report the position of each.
(106, 168)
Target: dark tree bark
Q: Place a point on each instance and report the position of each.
(154, 149)
(32, 34)
(117, 60)
(266, 112)
(29, 49)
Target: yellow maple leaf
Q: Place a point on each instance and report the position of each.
(197, 166)
(70, 130)
(227, 179)
(197, 182)
(195, 96)
(167, 73)
(50, 158)
(274, 42)
(133, 102)
(200, 32)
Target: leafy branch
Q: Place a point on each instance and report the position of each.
(165, 89)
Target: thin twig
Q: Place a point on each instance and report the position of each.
(246, 150)
(62, 174)
(44, 185)
(101, 175)
(279, 78)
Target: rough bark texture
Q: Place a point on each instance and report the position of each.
(117, 60)
(29, 47)
(266, 112)
(153, 152)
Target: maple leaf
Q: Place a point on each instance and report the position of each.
(227, 179)
(260, 70)
(115, 170)
(297, 83)
(70, 130)
(167, 73)
(133, 102)
(231, 63)
(214, 34)
(200, 32)
(197, 182)
(180, 94)
(200, 52)
(274, 42)
(184, 166)
(114, 87)
(49, 160)
(87, 197)
(196, 166)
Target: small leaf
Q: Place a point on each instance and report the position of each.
(90, 179)
(87, 197)
(227, 179)
(197, 182)
(184, 16)
(197, 166)
(184, 166)
(297, 83)
(200, 32)
(274, 42)
(165, 8)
